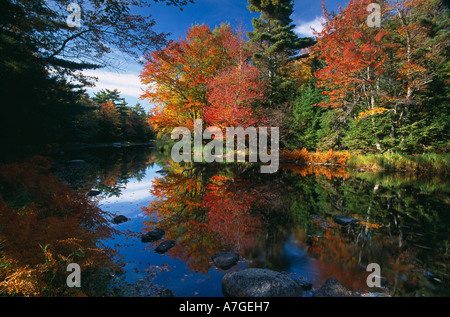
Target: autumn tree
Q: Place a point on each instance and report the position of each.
(235, 88)
(354, 56)
(207, 76)
(374, 76)
(177, 77)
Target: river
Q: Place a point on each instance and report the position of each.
(286, 221)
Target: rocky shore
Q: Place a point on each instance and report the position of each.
(257, 282)
(261, 282)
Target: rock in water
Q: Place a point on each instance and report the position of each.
(153, 235)
(332, 288)
(165, 246)
(254, 282)
(225, 260)
(120, 219)
(344, 220)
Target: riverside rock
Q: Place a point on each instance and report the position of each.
(332, 288)
(225, 260)
(153, 235)
(256, 282)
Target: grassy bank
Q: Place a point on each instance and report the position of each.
(427, 162)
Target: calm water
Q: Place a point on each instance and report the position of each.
(283, 221)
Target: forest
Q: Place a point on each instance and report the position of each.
(357, 87)
(354, 87)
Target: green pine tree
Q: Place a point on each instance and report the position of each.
(277, 46)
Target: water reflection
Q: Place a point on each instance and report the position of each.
(283, 221)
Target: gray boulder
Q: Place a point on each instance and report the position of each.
(332, 288)
(153, 235)
(225, 260)
(255, 282)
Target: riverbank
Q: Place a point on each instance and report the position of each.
(389, 161)
(14, 152)
(422, 163)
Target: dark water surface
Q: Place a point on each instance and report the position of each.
(283, 221)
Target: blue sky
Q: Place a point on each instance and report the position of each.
(170, 19)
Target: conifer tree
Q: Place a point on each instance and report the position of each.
(277, 46)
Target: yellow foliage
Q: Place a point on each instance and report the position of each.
(370, 225)
(23, 281)
(371, 112)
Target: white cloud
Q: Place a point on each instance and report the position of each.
(305, 29)
(128, 84)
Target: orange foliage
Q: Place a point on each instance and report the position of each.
(303, 156)
(349, 48)
(45, 226)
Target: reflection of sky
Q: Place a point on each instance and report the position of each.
(135, 195)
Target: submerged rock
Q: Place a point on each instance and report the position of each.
(165, 246)
(332, 288)
(153, 235)
(344, 220)
(120, 219)
(255, 282)
(225, 260)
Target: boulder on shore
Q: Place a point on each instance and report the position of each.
(332, 288)
(153, 235)
(225, 260)
(256, 282)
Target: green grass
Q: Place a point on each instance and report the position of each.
(427, 162)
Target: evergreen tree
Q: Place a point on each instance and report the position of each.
(306, 118)
(276, 46)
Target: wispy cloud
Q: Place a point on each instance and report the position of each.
(127, 83)
(305, 28)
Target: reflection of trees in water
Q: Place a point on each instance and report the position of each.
(210, 208)
(214, 207)
(107, 169)
(403, 228)
(45, 226)
(206, 208)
